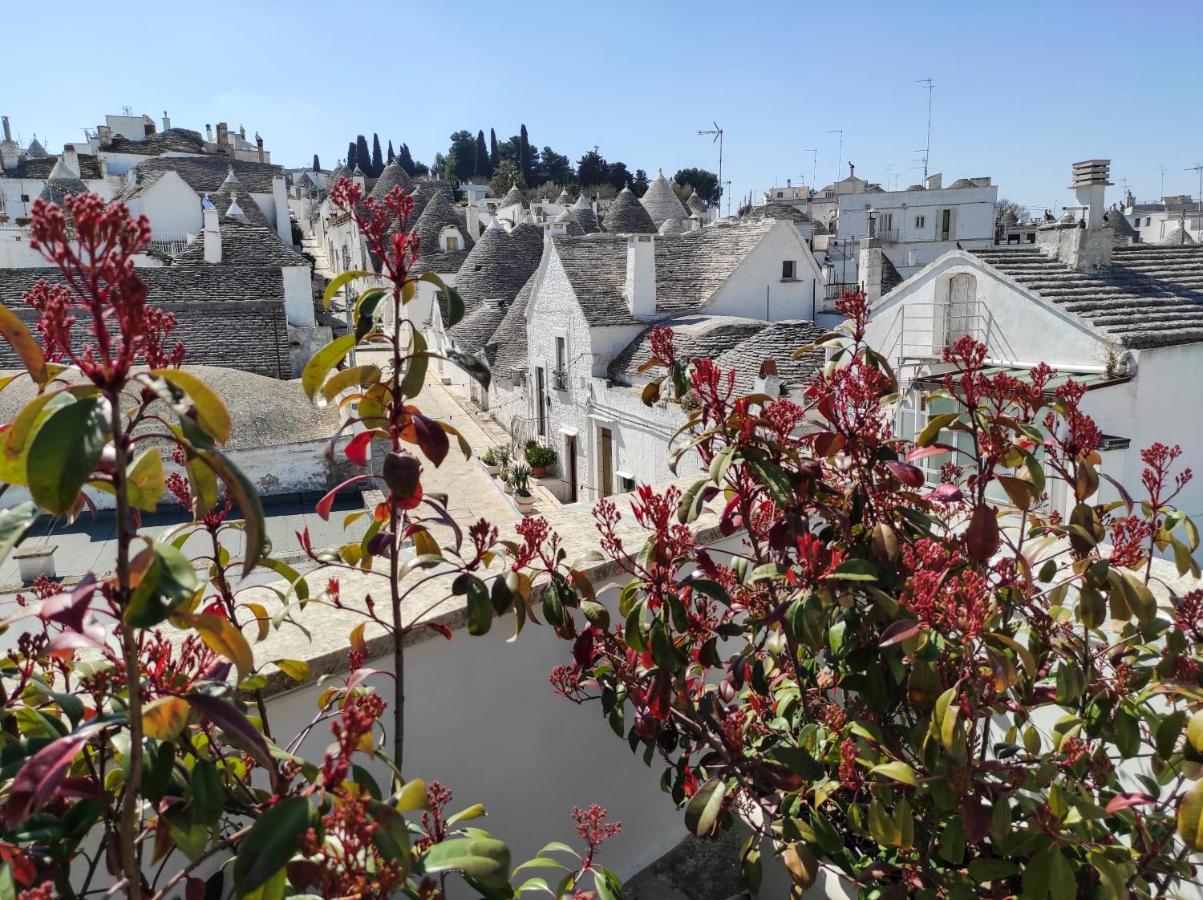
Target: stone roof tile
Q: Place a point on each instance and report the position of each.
(627, 215)
(661, 201)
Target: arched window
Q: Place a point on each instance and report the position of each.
(450, 239)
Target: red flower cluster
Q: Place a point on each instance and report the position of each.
(94, 251)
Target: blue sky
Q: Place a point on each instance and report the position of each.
(1023, 89)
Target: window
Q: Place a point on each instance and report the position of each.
(780, 194)
(560, 376)
(887, 221)
(920, 221)
(25, 198)
(627, 483)
(788, 270)
(1148, 221)
(452, 243)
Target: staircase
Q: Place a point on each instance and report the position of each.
(314, 248)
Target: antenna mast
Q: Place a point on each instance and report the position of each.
(931, 86)
(839, 165)
(718, 136)
(814, 167)
(1161, 169)
(1198, 169)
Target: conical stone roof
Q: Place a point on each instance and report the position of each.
(661, 201)
(627, 215)
(495, 269)
(425, 189)
(1118, 221)
(528, 239)
(512, 196)
(563, 199)
(392, 176)
(439, 213)
(584, 215)
(506, 350)
(475, 329)
(696, 204)
(572, 226)
(61, 183)
(673, 226)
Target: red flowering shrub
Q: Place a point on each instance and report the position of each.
(136, 754)
(943, 691)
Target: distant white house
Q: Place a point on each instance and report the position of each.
(1125, 319)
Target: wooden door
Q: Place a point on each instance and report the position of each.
(541, 401)
(607, 463)
(570, 466)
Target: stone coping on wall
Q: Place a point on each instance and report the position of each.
(324, 643)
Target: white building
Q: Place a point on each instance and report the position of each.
(593, 297)
(1125, 319)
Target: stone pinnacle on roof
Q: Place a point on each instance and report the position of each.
(627, 215)
(1117, 220)
(696, 204)
(207, 204)
(231, 178)
(61, 183)
(661, 201)
(563, 199)
(235, 209)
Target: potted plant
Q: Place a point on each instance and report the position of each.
(490, 460)
(540, 458)
(503, 475)
(520, 485)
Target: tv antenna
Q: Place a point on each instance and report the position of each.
(814, 167)
(839, 165)
(727, 191)
(1161, 169)
(1197, 168)
(931, 86)
(718, 136)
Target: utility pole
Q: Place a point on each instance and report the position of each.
(727, 191)
(927, 149)
(1198, 170)
(718, 136)
(839, 165)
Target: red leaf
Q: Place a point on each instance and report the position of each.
(1123, 801)
(431, 438)
(911, 476)
(357, 447)
(69, 608)
(441, 629)
(323, 506)
(360, 674)
(899, 631)
(925, 452)
(976, 819)
(945, 493)
(40, 777)
(981, 538)
(659, 696)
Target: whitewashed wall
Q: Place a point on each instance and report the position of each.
(171, 205)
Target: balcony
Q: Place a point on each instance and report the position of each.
(887, 235)
(836, 289)
(559, 379)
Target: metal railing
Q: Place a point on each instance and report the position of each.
(925, 329)
(836, 289)
(559, 379)
(171, 244)
(887, 235)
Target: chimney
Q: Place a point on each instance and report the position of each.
(105, 134)
(1089, 184)
(934, 182)
(166, 121)
(208, 132)
(71, 158)
(640, 287)
(768, 381)
(212, 228)
(259, 144)
(1084, 244)
(223, 134)
(472, 218)
(8, 135)
(869, 269)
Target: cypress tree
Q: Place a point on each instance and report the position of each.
(363, 156)
(317, 166)
(483, 167)
(524, 154)
(377, 158)
(351, 160)
(391, 154)
(406, 160)
(494, 156)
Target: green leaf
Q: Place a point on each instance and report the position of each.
(455, 306)
(952, 841)
(64, 453)
(931, 431)
(607, 884)
(247, 498)
(14, 522)
(854, 570)
(338, 281)
(208, 792)
(480, 608)
(144, 480)
(415, 374)
(702, 812)
(366, 308)
(208, 408)
(485, 860)
(270, 844)
(167, 581)
(1190, 819)
(775, 479)
(899, 771)
(323, 361)
(296, 669)
(985, 870)
(476, 368)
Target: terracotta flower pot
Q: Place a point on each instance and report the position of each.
(539, 471)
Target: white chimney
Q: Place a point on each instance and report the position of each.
(640, 287)
(166, 121)
(8, 135)
(472, 218)
(1090, 184)
(869, 268)
(934, 182)
(71, 158)
(212, 231)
